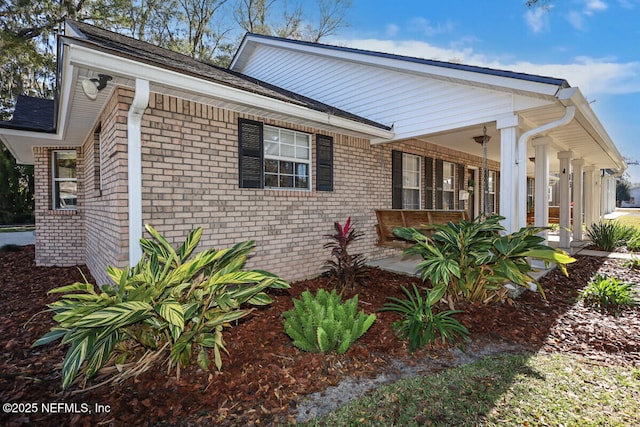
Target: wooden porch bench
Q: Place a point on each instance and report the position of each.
(388, 219)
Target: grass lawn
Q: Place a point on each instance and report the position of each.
(503, 390)
(629, 220)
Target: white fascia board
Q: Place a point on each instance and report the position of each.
(408, 66)
(81, 56)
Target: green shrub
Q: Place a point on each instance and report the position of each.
(323, 323)
(633, 243)
(609, 235)
(473, 260)
(605, 293)
(166, 303)
(345, 269)
(419, 324)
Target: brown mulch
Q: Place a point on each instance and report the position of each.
(264, 376)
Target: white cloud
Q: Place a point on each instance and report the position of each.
(592, 6)
(576, 20)
(424, 26)
(391, 30)
(536, 19)
(594, 76)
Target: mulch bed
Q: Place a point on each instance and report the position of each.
(264, 375)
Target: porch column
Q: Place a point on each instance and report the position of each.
(565, 197)
(509, 173)
(590, 198)
(576, 165)
(541, 192)
(597, 205)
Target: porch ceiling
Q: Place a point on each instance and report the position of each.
(579, 136)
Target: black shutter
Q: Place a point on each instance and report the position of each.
(439, 182)
(324, 163)
(250, 154)
(460, 185)
(428, 170)
(396, 179)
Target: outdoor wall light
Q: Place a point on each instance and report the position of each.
(92, 86)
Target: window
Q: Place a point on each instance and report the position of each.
(410, 181)
(287, 159)
(65, 183)
(491, 202)
(448, 186)
(272, 157)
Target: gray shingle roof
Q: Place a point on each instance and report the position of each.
(121, 45)
(32, 114)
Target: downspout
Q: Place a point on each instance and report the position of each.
(569, 114)
(136, 111)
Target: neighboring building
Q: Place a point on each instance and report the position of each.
(634, 202)
(293, 137)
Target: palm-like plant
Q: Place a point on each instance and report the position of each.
(474, 259)
(169, 300)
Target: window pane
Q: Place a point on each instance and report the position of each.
(270, 180)
(65, 164)
(287, 150)
(302, 182)
(410, 199)
(270, 134)
(302, 169)
(286, 167)
(302, 153)
(287, 137)
(302, 140)
(286, 181)
(271, 148)
(448, 200)
(448, 176)
(271, 166)
(67, 194)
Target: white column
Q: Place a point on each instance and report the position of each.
(576, 165)
(589, 195)
(597, 205)
(509, 182)
(541, 176)
(565, 191)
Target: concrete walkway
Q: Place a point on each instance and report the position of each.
(20, 238)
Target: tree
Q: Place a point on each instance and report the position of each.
(623, 190)
(16, 190)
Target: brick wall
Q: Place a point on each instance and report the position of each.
(190, 179)
(105, 202)
(60, 237)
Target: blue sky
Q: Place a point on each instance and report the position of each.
(593, 44)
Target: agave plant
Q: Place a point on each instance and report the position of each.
(170, 301)
(475, 259)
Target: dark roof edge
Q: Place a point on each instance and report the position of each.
(9, 125)
(461, 67)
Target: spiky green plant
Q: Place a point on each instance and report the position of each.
(473, 260)
(609, 235)
(322, 323)
(169, 302)
(420, 325)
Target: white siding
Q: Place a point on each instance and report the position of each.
(414, 104)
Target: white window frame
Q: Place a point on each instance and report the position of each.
(492, 190)
(55, 197)
(284, 158)
(406, 175)
(446, 168)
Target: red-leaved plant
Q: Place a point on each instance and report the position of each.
(345, 269)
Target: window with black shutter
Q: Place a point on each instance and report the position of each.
(250, 154)
(324, 163)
